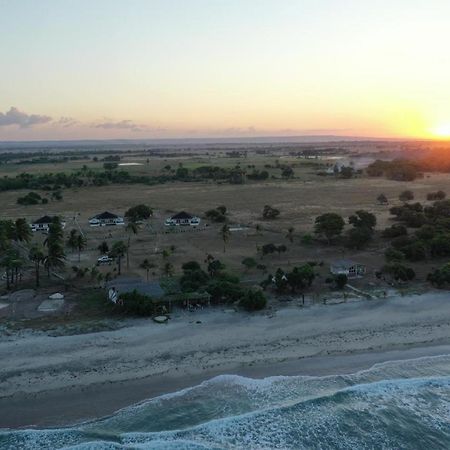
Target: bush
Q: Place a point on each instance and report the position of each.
(439, 195)
(270, 213)
(440, 277)
(137, 304)
(394, 231)
(190, 266)
(138, 212)
(341, 280)
(391, 254)
(32, 198)
(399, 272)
(193, 280)
(253, 300)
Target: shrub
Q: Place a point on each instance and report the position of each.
(32, 198)
(253, 300)
(394, 231)
(270, 213)
(137, 304)
(391, 254)
(341, 280)
(399, 272)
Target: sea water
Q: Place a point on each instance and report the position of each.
(394, 405)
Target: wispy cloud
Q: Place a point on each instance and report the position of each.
(66, 122)
(121, 125)
(16, 117)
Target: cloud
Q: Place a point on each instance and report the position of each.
(23, 120)
(66, 122)
(121, 125)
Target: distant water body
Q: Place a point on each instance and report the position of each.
(395, 405)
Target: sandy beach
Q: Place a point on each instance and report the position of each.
(49, 381)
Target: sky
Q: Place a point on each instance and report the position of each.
(109, 69)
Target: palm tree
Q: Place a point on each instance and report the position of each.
(118, 250)
(290, 234)
(103, 248)
(168, 269)
(55, 251)
(147, 266)
(10, 261)
(80, 245)
(37, 256)
(225, 234)
(132, 228)
(72, 240)
(22, 231)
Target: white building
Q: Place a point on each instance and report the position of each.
(347, 267)
(106, 219)
(183, 219)
(43, 224)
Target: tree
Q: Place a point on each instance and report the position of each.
(72, 240)
(22, 231)
(191, 266)
(147, 266)
(347, 172)
(103, 248)
(168, 269)
(391, 255)
(253, 300)
(382, 199)
(290, 234)
(406, 196)
(80, 245)
(222, 209)
(225, 235)
(36, 255)
(138, 213)
(215, 267)
(267, 249)
(394, 231)
(132, 228)
(363, 219)
(329, 225)
(301, 277)
(439, 195)
(215, 215)
(287, 172)
(358, 237)
(55, 251)
(341, 280)
(118, 251)
(398, 271)
(249, 263)
(440, 277)
(270, 213)
(76, 241)
(10, 260)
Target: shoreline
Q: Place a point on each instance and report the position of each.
(48, 409)
(50, 381)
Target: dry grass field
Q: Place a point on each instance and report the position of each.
(300, 200)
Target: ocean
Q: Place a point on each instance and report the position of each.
(394, 405)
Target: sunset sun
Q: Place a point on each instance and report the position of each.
(442, 131)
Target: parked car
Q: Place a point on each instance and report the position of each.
(104, 260)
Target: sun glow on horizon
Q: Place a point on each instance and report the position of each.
(442, 131)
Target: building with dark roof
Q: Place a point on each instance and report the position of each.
(106, 218)
(43, 223)
(183, 219)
